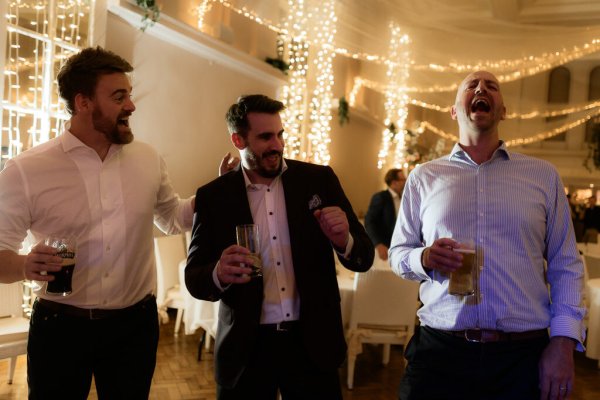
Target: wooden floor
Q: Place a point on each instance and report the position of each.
(180, 376)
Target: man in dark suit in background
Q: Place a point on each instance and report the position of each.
(282, 331)
(381, 215)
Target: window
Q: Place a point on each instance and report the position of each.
(39, 36)
(593, 94)
(559, 85)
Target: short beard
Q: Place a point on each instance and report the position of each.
(254, 163)
(111, 131)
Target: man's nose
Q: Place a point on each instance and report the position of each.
(480, 88)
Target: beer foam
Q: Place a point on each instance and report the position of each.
(464, 251)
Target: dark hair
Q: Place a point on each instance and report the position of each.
(80, 73)
(237, 115)
(391, 175)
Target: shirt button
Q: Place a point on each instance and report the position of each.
(274, 237)
(106, 275)
(481, 214)
(107, 248)
(278, 263)
(287, 315)
(270, 212)
(283, 289)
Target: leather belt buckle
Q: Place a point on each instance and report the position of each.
(481, 336)
(281, 327)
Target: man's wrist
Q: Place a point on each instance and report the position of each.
(425, 258)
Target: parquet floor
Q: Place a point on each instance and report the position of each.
(180, 376)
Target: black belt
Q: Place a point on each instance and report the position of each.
(284, 326)
(92, 313)
(490, 335)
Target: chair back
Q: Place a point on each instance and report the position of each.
(169, 251)
(11, 300)
(592, 266)
(382, 299)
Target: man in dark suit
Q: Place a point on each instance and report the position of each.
(282, 331)
(381, 214)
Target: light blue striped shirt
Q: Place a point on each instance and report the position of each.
(515, 209)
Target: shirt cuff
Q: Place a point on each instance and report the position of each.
(348, 250)
(562, 325)
(414, 260)
(216, 279)
(187, 213)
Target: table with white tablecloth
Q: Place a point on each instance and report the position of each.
(198, 313)
(593, 333)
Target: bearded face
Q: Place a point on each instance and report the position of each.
(116, 129)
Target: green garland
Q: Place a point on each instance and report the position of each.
(151, 12)
(279, 64)
(343, 111)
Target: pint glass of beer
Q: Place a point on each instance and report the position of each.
(461, 280)
(248, 237)
(66, 248)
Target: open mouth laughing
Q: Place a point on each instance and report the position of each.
(480, 105)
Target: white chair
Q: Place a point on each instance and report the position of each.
(384, 307)
(592, 263)
(14, 327)
(169, 251)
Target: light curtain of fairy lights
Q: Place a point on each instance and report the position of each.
(295, 94)
(40, 34)
(396, 101)
(321, 103)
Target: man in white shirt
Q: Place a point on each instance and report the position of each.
(95, 184)
(282, 331)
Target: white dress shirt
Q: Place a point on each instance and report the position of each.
(62, 187)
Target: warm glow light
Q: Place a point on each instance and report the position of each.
(396, 101)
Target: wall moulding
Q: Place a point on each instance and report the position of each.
(177, 33)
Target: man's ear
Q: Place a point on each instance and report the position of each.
(238, 141)
(82, 103)
(453, 112)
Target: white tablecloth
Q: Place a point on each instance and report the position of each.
(198, 313)
(593, 333)
(345, 280)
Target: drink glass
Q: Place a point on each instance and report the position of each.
(66, 248)
(248, 237)
(461, 280)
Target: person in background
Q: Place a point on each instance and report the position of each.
(591, 221)
(383, 209)
(96, 184)
(494, 344)
(282, 331)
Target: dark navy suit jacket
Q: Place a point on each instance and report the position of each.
(220, 206)
(381, 218)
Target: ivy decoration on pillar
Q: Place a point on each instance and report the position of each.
(151, 13)
(343, 111)
(279, 64)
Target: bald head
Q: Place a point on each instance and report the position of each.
(479, 105)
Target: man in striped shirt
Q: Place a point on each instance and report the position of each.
(494, 344)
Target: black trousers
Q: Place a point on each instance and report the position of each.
(279, 362)
(445, 367)
(64, 352)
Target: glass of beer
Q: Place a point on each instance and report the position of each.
(248, 237)
(66, 248)
(461, 280)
